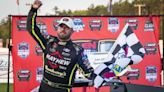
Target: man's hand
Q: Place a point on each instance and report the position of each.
(37, 4)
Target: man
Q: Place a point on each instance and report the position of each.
(62, 57)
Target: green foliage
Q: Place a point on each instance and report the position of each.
(4, 31)
(3, 87)
(123, 8)
(99, 10)
(154, 7)
(79, 12)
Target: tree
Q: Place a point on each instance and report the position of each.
(123, 8)
(56, 10)
(4, 30)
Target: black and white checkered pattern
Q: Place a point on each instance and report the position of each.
(125, 51)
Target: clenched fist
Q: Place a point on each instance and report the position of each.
(37, 4)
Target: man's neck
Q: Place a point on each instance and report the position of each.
(63, 42)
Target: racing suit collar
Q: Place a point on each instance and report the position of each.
(64, 43)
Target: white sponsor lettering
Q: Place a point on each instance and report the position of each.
(57, 60)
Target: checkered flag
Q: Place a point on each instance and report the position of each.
(126, 50)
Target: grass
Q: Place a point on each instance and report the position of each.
(3, 87)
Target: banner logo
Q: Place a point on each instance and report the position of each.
(78, 24)
(38, 50)
(23, 50)
(113, 24)
(151, 48)
(21, 24)
(95, 24)
(132, 23)
(133, 74)
(149, 26)
(151, 73)
(39, 74)
(24, 75)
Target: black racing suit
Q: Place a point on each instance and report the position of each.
(61, 59)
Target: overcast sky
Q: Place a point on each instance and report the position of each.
(10, 7)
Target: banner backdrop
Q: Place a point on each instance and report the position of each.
(96, 35)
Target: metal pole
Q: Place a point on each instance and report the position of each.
(9, 50)
(109, 7)
(139, 8)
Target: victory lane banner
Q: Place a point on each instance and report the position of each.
(96, 35)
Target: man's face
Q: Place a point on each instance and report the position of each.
(64, 32)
